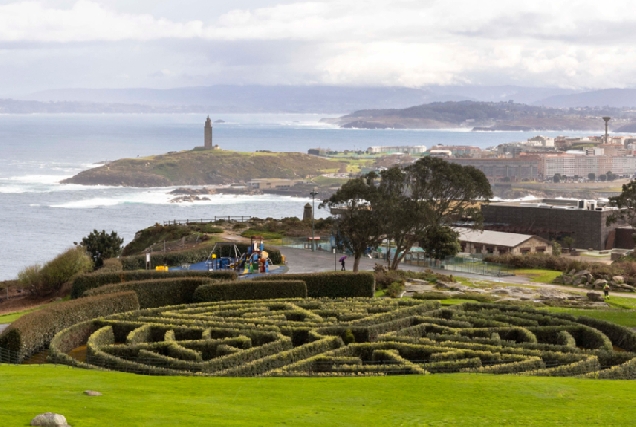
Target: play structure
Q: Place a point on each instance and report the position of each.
(226, 256)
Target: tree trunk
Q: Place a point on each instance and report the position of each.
(356, 262)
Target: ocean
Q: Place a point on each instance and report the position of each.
(39, 217)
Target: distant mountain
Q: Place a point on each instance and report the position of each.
(616, 98)
(297, 99)
(483, 116)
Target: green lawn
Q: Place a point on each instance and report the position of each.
(620, 317)
(538, 275)
(435, 400)
(12, 317)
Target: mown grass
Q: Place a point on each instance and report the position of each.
(538, 275)
(12, 317)
(266, 235)
(436, 400)
(620, 317)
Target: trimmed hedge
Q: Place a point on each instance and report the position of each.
(34, 331)
(157, 293)
(251, 290)
(138, 262)
(334, 285)
(90, 281)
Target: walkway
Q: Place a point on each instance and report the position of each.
(305, 261)
(3, 327)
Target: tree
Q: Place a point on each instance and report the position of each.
(603, 178)
(429, 193)
(556, 248)
(440, 242)
(626, 204)
(569, 242)
(591, 176)
(556, 178)
(358, 224)
(101, 246)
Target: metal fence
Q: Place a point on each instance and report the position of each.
(208, 220)
(459, 264)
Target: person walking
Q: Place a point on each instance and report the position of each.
(606, 290)
(342, 263)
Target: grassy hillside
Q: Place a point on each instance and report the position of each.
(436, 400)
(199, 167)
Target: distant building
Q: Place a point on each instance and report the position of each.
(440, 153)
(271, 183)
(207, 130)
(583, 220)
(525, 167)
(459, 150)
(497, 242)
(406, 149)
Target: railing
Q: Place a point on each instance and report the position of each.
(459, 264)
(228, 218)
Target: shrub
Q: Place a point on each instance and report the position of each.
(334, 285)
(89, 281)
(111, 265)
(49, 278)
(395, 289)
(157, 293)
(35, 330)
(251, 290)
(192, 256)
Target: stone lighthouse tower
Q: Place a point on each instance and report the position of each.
(208, 134)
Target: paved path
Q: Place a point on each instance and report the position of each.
(305, 261)
(3, 327)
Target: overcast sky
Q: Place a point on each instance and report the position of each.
(51, 44)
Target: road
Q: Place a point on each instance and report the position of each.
(3, 327)
(305, 261)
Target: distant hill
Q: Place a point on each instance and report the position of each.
(483, 116)
(616, 98)
(200, 167)
(296, 99)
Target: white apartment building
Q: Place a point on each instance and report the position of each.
(571, 165)
(406, 149)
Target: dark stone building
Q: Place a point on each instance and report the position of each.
(554, 219)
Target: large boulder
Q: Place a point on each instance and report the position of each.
(582, 273)
(49, 419)
(599, 283)
(595, 297)
(618, 279)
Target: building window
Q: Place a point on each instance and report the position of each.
(525, 250)
(540, 249)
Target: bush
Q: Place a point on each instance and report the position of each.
(34, 331)
(89, 281)
(156, 293)
(111, 265)
(251, 290)
(192, 256)
(395, 289)
(334, 285)
(50, 278)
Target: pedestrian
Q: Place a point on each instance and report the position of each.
(606, 290)
(342, 263)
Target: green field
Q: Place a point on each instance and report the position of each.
(620, 317)
(538, 275)
(435, 400)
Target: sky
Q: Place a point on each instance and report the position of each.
(53, 44)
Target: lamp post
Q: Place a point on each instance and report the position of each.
(313, 195)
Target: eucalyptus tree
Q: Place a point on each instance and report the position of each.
(359, 225)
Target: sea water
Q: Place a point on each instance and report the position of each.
(39, 217)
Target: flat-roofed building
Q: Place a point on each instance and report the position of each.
(583, 220)
(524, 167)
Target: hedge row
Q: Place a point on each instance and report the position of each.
(157, 293)
(83, 283)
(34, 331)
(193, 256)
(251, 290)
(334, 285)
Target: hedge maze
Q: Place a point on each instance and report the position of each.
(349, 336)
